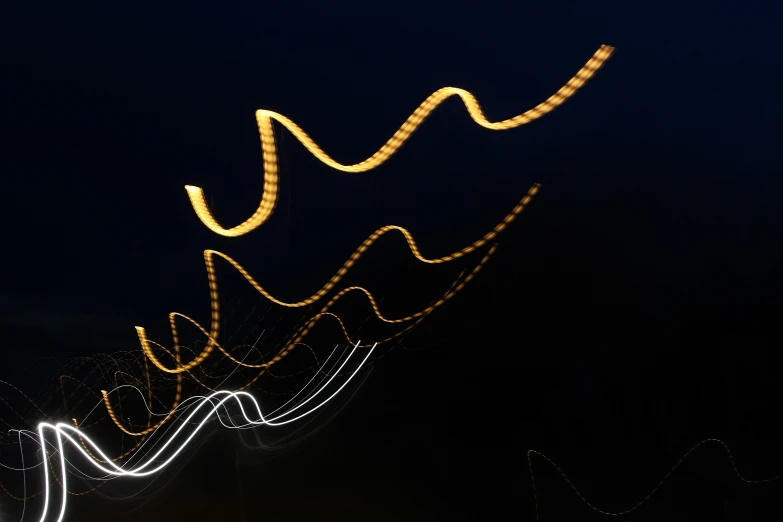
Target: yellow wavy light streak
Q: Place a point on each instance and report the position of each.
(271, 182)
(305, 329)
(214, 296)
(455, 288)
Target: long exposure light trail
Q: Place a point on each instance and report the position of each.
(245, 402)
(300, 334)
(647, 497)
(271, 178)
(212, 334)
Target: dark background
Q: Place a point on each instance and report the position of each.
(631, 312)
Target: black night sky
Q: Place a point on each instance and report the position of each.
(629, 313)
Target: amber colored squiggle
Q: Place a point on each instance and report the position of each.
(271, 182)
(215, 302)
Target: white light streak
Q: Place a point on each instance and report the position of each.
(248, 406)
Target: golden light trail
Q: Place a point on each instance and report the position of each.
(458, 285)
(271, 182)
(215, 301)
(212, 336)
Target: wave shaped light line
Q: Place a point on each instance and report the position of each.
(651, 493)
(301, 333)
(215, 301)
(271, 178)
(62, 431)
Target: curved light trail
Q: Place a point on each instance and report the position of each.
(647, 497)
(249, 409)
(213, 333)
(271, 178)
